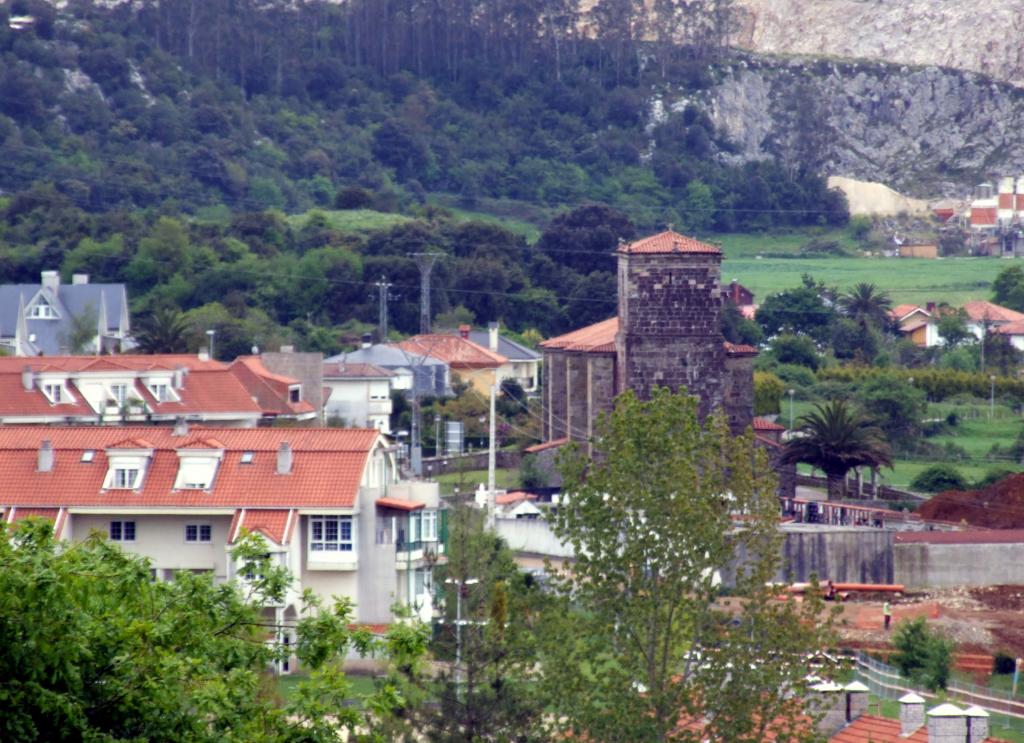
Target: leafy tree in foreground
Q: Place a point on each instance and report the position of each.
(96, 650)
(639, 637)
(923, 654)
(835, 439)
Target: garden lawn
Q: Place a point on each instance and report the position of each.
(361, 684)
(917, 281)
(505, 479)
(352, 220)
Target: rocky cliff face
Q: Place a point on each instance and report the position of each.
(977, 36)
(923, 131)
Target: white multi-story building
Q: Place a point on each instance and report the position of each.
(328, 503)
(358, 395)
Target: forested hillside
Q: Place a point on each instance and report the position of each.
(155, 142)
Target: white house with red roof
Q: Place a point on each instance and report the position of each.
(147, 389)
(985, 316)
(328, 502)
(919, 324)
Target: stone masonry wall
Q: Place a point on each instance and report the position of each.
(600, 387)
(555, 391)
(669, 332)
(578, 418)
(739, 391)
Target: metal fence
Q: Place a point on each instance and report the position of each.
(885, 682)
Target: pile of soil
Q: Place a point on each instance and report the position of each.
(999, 506)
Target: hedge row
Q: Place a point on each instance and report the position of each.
(938, 384)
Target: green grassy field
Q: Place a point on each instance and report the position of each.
(286, 685)
(471, 479)
(352, 220)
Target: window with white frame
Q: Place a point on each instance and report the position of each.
(422, 581)
(54, 392)
(162, 392)
(122, 531)
(43, 311)
(423, 526)
(125, 478)
(119, 392)
(331, 534)
(198, 533)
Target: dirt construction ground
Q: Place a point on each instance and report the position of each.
(980, 620)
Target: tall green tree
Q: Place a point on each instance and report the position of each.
(638, 639)
(163, 331)
(835, 438)
(867, 305)
(97, 650)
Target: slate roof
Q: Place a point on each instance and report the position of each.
(327, 467)
(346, 370)
(70, 300)
(386, 356)
(508, 348)
(669, 242)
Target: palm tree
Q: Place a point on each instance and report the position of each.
(835, 438)
(165, 331)
(865, 303)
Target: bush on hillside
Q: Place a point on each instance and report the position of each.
(939, 478)
(923, 655)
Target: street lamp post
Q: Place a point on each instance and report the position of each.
(791, 393)
(991, 396)
(211, 333)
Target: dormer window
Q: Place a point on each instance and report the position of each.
(295, 393)
(197, 466)
(125, 478)
(162, 392)
(119, 392)
(43, 311)
(55, 393)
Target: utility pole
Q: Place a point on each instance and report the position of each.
(425, 262)
(491, 461)
(382, 289)
(461, 586)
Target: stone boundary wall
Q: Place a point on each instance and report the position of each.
(922, 565)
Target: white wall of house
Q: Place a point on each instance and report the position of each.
(364, 403)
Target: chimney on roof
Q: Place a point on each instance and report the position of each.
(464, 331)
(204, 354)
(911, 713)
(45, 457)
(946, 724)
(367, 340)
(50, 280)
(828, 700)
(180, 427)
(977, 724)
(856, 700)
(26, 378)
(930, 307)
(178, 380)
(77, 279)
(492, 336)
(284, 459)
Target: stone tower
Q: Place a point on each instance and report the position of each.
(669, 305)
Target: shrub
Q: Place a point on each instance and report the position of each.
(922, 654)
(938, 478)
(353, 197)
(796, 349)
(768, 390)
(1003, 663)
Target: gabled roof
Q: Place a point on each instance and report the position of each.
(15, 400)
(71, 300)
(596, 338)
(669, 242)
(135, 362)
(270, 390)
(277, 525)
(981, 311)
(327, 467)
(506, 347)
(388, 356)
(902, 311)
(763, 424)
(345, 370)
(454, 350)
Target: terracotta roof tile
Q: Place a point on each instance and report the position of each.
(739, 349)
(454, 350)
(125, 362)
(1011, 328)
(669, 242)
(546, 445)
(979, 310)
(276, 525)
(763, 424)
(210, 391)
(513, 496)
(271, 391)
(902, 310)
(590, 338)
(401, 505)
(15, 400)
(327, 468)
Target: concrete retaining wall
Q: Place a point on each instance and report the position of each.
(531, 538)
(922, 565)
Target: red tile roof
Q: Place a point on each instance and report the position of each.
(763, 424)
(401, 505)
(546, 445)
(900, 311)
(872, 729)
(275, 524)
(328, 466)
(15, 400)
(600, 338)
(980, 311)
(669, 242)
(973, 536)
(270, 390)
(513, 496)
(1011, 328)
(209, 391)
(124, 362)
(454, 350)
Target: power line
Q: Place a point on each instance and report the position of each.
(425, 263)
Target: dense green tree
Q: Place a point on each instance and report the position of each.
(768, 391)
(923, 654)
(738, 329)
(97, 650)
(867, 305)
(854, 341)
(585, 238)
(795, 349)
(799, 310)
(1008, 288)
(636, 639)
(163, 331)
(897, 406)
(952, 327)
(834, 438)
(938, 478)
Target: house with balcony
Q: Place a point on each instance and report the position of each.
(51, 318)
(328, 504)
(358, 395)
(145, 389)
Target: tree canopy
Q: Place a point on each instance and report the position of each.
(638, 640)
